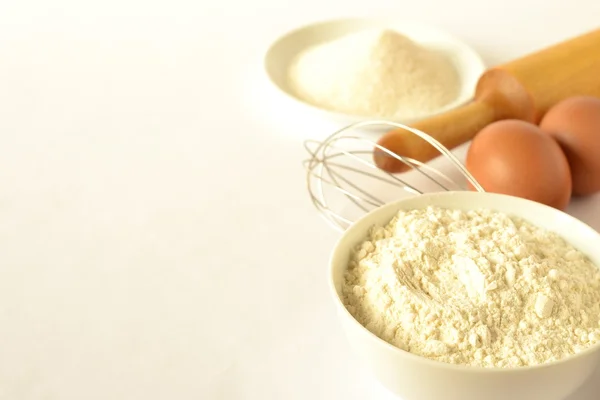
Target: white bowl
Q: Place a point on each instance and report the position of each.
(416, 378)
(282, 52)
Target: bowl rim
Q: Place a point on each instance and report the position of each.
(383, 21)
(344, 313)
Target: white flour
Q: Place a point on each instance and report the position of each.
(375, 73)
(522, 295)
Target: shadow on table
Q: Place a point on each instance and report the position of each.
(586, 209)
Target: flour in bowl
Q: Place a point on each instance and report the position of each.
(377, 73)
(477, 288)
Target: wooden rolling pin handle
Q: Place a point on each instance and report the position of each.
(522, 89)
(471, 119)
(498, 96)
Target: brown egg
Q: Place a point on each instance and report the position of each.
(516, 158)
(575, 124)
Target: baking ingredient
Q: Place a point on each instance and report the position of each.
(376, 73)
(500, 292)
(575, 124)
(516, 158)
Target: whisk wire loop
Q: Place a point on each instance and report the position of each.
(327, 168)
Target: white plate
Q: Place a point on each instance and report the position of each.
(282, 52)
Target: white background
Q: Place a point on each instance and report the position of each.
(156, 240)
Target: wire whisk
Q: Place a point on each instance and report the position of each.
(343, 181)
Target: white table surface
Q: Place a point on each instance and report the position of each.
(156, 240)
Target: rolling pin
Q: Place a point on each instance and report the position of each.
(522, 89)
